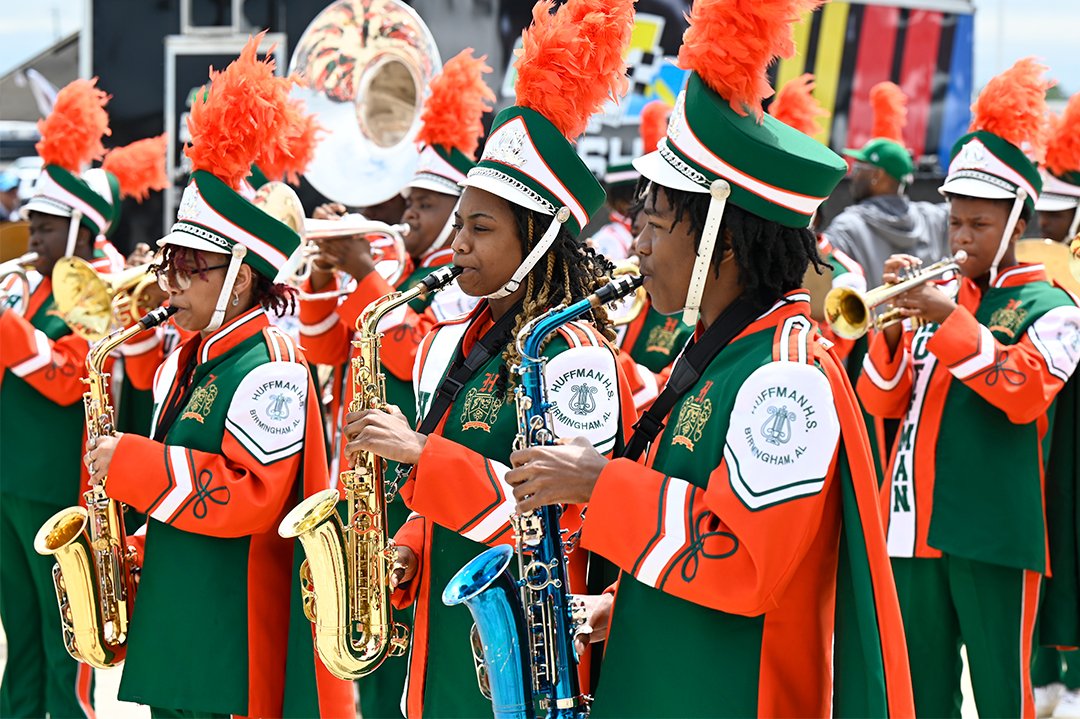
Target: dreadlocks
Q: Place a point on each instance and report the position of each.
(772, 259)
(570, 271)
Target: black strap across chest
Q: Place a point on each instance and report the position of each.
(464, 368)
(687, 371)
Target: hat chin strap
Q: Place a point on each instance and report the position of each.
(533, 257)
(237, 259)
(439, 241)
(73, 232)
(720, 190)
(1010, 225)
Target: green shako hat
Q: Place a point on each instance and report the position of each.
(570, 65)
(71, 140)
(245, 111)
(988, 162)
(1061, 178)
(132, 171)
(451, 128)
(719, 140)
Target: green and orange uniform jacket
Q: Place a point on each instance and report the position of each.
(238, 441)
(648, 346)
(41, 387)
(328, 326)
(750, 539)
(460, 501)
(977, 397)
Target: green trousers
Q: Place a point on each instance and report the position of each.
(40, 676)
(991, 610)
(1050, 666)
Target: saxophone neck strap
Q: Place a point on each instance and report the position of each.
(463, 368)
(687, 371)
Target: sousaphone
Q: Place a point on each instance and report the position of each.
(366, 66)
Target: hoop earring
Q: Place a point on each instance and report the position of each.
(235, 299)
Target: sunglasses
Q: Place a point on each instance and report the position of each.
(169, 278)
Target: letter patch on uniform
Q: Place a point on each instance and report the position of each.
(584, 395)
(783, 434)
(269, 409)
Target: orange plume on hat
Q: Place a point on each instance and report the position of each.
(1063, 148)
(888, 105)
(139, 167)
(240, 118)
(572, 60)
(654, 120)
(291, 160)
(454, 110)
(731, 43)
(796, 107)
(71, 134)
(1013, 106)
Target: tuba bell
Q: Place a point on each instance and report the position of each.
(17, 268)
(387, 241)
(93, 304)
(1061, 261)
(366, 65)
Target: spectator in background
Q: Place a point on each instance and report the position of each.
(883, 221)
(9, 197)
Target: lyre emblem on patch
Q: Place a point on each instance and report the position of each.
(662, 338)
(693, 415)
(582, 403)
(777, 428)
(279, 407)
(200, 404)
(1007, 320)
(480, 411)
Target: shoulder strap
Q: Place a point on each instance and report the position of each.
(687, 371)
(462, 369)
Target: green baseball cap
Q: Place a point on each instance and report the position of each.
(888, 155)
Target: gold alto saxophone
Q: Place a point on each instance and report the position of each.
(95, 568)
(345, 578)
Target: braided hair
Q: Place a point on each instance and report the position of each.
(772, 259)
(570, 271)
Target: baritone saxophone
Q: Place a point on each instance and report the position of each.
(94, 574)
(345, 577)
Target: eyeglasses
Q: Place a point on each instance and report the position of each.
(172, 278)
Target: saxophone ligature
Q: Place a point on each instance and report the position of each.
(94, 574)
(345, 578)
(523, 632)
(849, 311)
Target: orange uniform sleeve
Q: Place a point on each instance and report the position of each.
(884, 386)
(54, 368)
(1021, 379)
(327, 327)
(718, 546)
(236, 492)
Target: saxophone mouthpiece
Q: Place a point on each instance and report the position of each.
(441, 277)
(154, 318)
(616, 289)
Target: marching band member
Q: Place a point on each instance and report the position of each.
(42, 388)
(976, 387)
(1056, 674)
(752, 529)
(237, 440)
(518, 223)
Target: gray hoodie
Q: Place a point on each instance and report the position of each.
(878, 227)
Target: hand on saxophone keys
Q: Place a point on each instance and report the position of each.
(100, 455)
(404, 567)
(597, 620)
(386, 433)
(565, 472)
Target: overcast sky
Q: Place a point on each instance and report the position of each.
(1045, 28)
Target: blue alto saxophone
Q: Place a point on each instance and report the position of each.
(523, 632)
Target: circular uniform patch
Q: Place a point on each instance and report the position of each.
(783, 434)
(268, 411)
(583, 390)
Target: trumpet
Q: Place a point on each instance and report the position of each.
(280, 202)
(94, 304)
(17, 267)
(849, 311)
